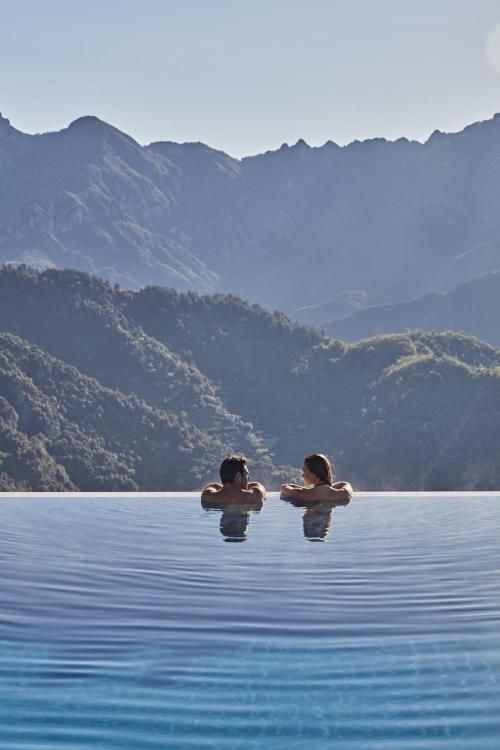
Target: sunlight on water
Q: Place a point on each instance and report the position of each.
(129, 623)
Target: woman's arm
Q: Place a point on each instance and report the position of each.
(297, 492)
(345, 488)
(288, 490)
(338, 491)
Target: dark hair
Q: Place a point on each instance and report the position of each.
(320, 466)
(231, 466)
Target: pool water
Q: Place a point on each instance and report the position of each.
(131, 623)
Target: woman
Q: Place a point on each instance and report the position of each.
(318, 477)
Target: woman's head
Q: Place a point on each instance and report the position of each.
(320, 467)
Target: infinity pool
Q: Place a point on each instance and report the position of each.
(132, 623)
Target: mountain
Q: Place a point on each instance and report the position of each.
(319, 315)
(90, 197)
(12, 142)
(186, 378)
(473, 308)
(78, 319)
(301, 390)
(61, 430)
(333, 228)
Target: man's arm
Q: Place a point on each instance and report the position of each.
(209, 490)
(257, 489)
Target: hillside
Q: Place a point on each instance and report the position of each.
(473, 308)
(333, 228)
(406, 411)
(78, 319)
(61, 430)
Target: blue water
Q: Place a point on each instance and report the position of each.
(131, 623)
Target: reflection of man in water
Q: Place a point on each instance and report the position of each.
(234, 522)
(235, 497)
(234, 476)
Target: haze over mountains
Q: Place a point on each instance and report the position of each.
(371, 223)
(109, 389)
(473, 308)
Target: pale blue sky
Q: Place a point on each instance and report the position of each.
(246, 76)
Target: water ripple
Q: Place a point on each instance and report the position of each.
(130, 624)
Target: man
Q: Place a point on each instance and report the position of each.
(235, 486)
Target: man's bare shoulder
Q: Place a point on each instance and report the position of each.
(256, 490)
(211, 491)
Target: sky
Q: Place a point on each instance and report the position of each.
(246, 76)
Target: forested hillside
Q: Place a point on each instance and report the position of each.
(155, 386)
(61, 430)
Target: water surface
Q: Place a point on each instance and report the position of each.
(131, 623)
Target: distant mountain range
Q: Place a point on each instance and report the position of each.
(331, 229)
(110, 389)
(473, 308)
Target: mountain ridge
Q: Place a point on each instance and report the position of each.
(391, 219)
(61, 430)
(473, 308)
(405, 411)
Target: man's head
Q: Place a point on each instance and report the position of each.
(233, 470)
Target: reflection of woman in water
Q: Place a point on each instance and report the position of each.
(318, 478)
(317, 519)
(319, 497)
